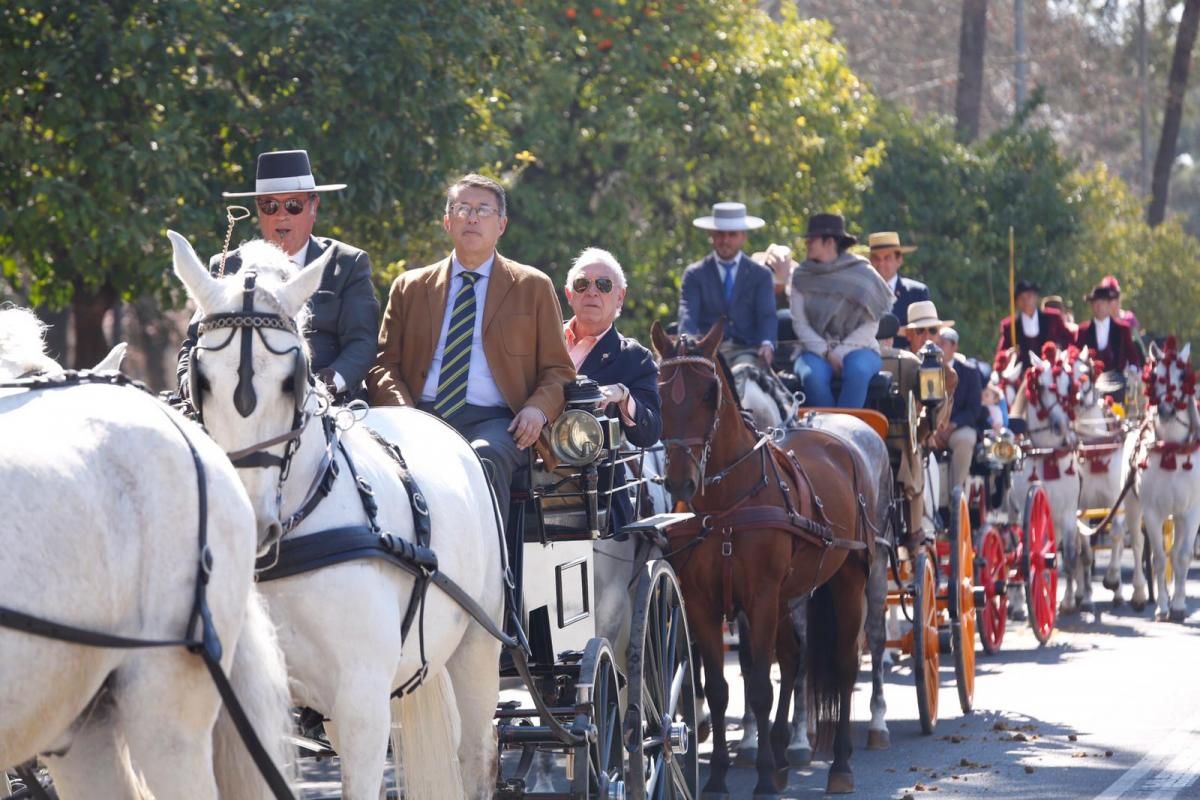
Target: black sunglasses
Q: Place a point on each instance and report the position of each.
(270, 207)
(603, 285)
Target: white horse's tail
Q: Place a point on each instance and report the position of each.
(259, 680)
(427, 746)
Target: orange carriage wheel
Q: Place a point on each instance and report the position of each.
(1039, 565)
(993, 579)
(925, 657)
(961, 592)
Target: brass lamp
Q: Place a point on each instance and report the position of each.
(932, 378)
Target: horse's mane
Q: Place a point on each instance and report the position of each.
(274, 269)
(691, 347)
(22, 344)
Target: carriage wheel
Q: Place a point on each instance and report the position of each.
(961, 597)
(993, 578)
(600, 772)
(926, 661)
(1038, 563)
(660, 720)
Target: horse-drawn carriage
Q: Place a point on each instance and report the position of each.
(645, 747)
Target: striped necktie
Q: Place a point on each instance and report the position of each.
(456, 357)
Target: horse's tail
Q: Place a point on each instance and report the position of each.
(821, 657)
(259, 680)
(428, 738)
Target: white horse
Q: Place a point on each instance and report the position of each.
(341, 625)
(1100, 456)
(101, 503)
(763, 396)
(1050, 400)
(1167, 482)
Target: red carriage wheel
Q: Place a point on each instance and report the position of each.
(961, 600)
(1038, 563)
(992, 570)
(926, 660)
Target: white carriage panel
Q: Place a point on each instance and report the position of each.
(559, 576)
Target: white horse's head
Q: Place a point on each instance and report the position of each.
(22, 345)
(1171, 389)
(1009, 377)
(1050, 392)
(1082, 370)
(250, 377)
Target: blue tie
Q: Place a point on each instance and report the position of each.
(456, 357)
(728, 267)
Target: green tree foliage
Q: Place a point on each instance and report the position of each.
(632, 118)
(957, 202)
(120, 119)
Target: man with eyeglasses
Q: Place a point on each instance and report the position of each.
(476, 338)
(345, 312)
(727, 284)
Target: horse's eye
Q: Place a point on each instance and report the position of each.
(289, 383)
(710, 394)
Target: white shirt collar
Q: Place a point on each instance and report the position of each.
(736, 259)
(894, 282)
(1030, 324)
(484, 270)
(299, 257)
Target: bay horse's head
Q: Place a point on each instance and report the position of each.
(249, 371)
(693, 392)
(1051, 394)
(1170, 386)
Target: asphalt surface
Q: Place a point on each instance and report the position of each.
(1107, 710)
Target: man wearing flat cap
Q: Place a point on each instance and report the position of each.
(344, 324)
(1106, 337)
(727, 284)
(1035, 326)
(887, 257)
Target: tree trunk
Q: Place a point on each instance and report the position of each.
(1181, 63)
(968, 96)
(89, 307)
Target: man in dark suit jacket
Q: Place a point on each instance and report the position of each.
(625, 370)
(344, 324)
(1107, 338)
(1035, 326)
(727, 284)
(887, 256)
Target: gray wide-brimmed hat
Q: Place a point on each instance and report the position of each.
(728, 217)
(283, 172)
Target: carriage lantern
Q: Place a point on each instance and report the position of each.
(582, 433)
(932, 379)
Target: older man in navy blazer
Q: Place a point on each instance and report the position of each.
(887, 256)
(728, 284)
(625, 370)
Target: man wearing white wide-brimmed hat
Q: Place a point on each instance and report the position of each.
(344, 325)
(728, 284)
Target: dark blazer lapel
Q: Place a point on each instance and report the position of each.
(603, 355)
(437, 284)
(740, 281)
(501, 281)
(314, 251)
(714, 278)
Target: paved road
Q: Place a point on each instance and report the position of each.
(1108, 711)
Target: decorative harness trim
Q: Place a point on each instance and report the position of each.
(201, 638)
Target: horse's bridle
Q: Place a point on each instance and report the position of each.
(688, 444)
(249, 322)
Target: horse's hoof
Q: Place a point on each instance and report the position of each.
(746, 757)
(704, 730)
(799, 756)
(1110, 584)
(840, 783)
(1017, 613)
(1178, 615)
(1117, 600)
(781, 779)
(878, 740)
(1138, 605)
(1161, 616)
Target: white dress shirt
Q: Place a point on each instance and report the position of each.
(481, 386)
(1102, 327)
(1030, 326)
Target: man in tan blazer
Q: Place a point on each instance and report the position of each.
(496, 327)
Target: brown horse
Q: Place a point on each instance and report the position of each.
(774, 524)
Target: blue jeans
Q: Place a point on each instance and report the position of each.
(858, 367)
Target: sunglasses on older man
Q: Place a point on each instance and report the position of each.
(269, 206)
(603, 285)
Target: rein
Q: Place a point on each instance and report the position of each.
(201, 637)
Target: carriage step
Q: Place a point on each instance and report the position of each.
(507, 711)
(526, 734)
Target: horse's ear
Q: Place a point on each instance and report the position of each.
(1035, 360)
(1185, 353)
(295, 292)
(712, 340)
(202, 286)
(662, 342)
(112, 361)
(1084, 354)
(1155, 351)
